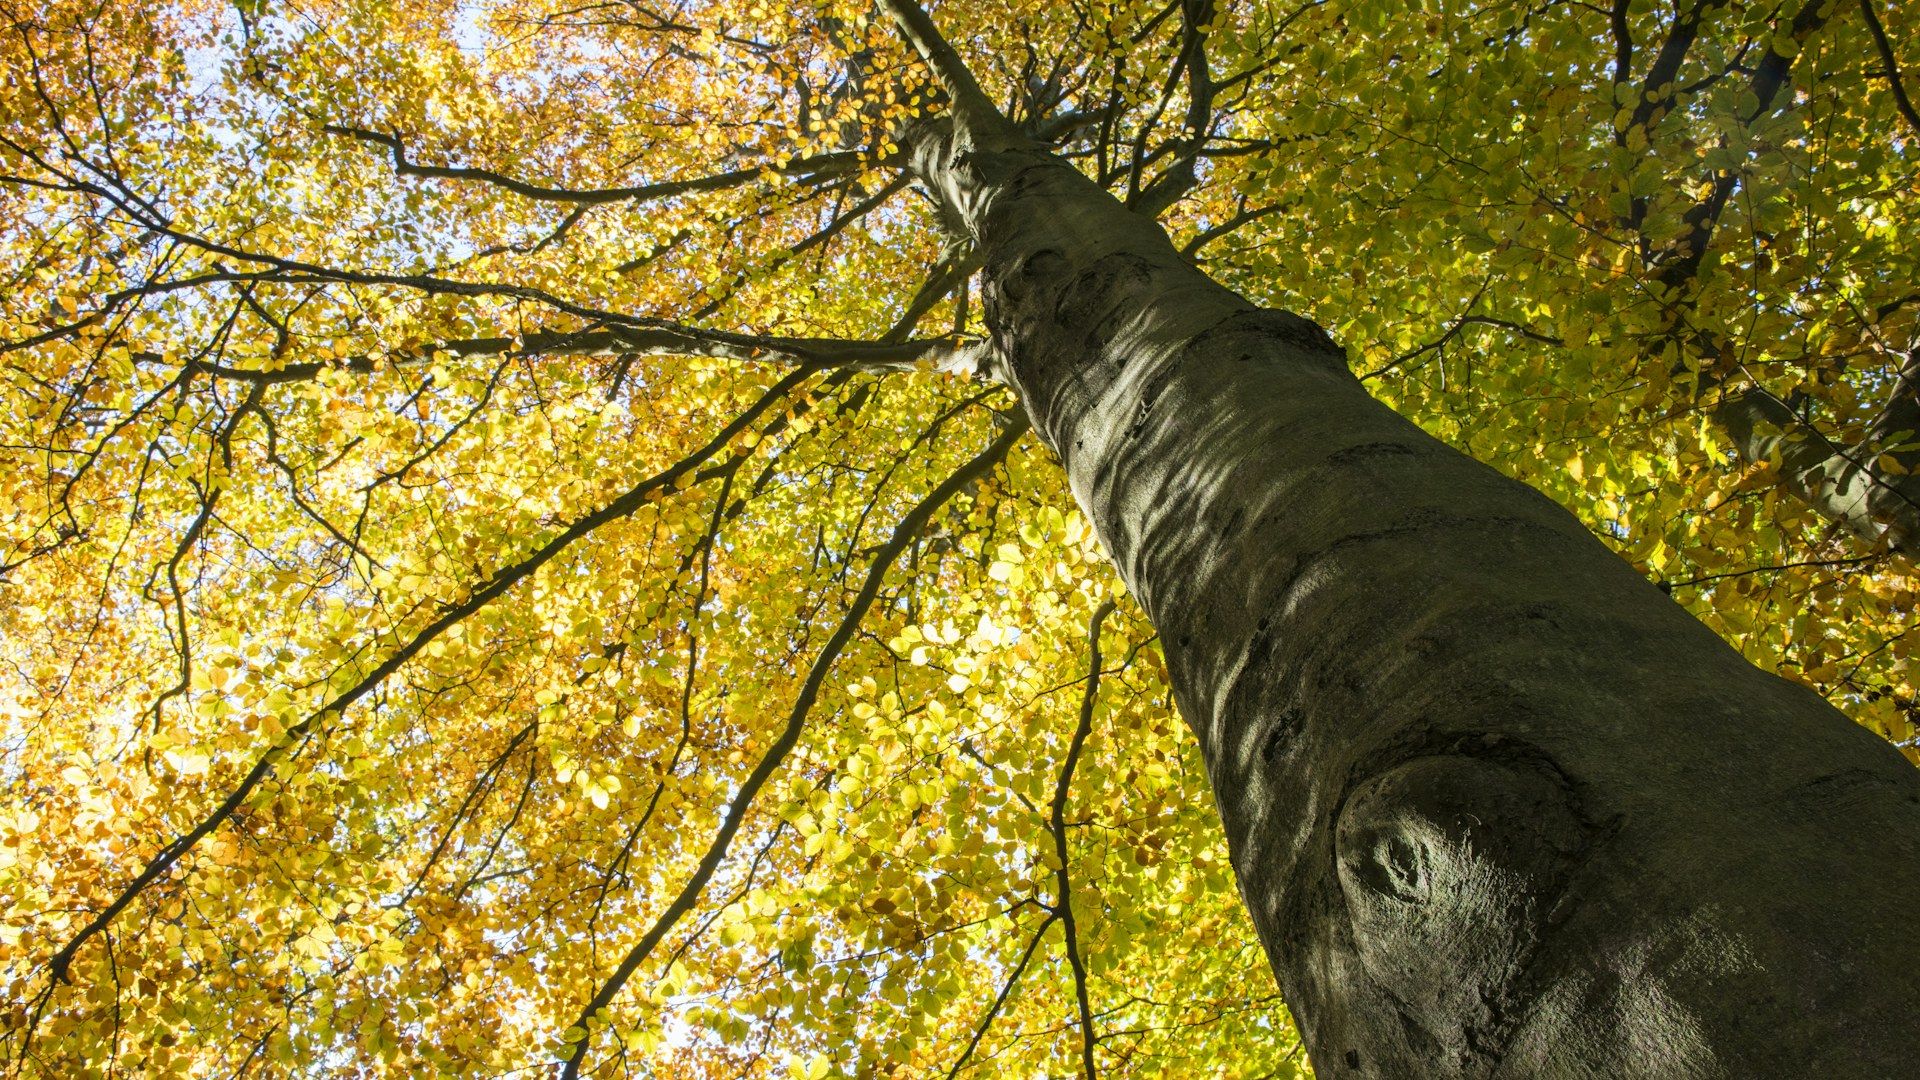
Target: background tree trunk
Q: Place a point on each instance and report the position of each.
(1498, 806)
(1849, 484)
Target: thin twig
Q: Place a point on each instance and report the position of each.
(1064, 906)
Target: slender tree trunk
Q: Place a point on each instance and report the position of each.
(1499, 807)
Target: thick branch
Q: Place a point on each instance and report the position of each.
(665, 189)
(1885, 48)
(973, 110)
(1850, 485)
(939, 354)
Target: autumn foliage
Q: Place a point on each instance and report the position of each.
(500, 565)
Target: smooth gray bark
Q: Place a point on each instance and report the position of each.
(1849, 485)
(1499, 808)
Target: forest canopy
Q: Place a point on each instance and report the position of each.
(512, 549)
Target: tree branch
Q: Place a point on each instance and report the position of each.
(952, 354)
(973, 111)
(814, 166)
(1845, 484)
(1885, 48)
(1058, 825)
(492, 588)
(789, 737)
(1869, 490)
(1006, 991)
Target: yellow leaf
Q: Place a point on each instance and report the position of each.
(188, 762)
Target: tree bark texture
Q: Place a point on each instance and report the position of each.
(1499, 807)
(1848, 484)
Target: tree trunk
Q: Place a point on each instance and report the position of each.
(1499, 807)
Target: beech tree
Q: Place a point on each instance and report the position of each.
(738, 540)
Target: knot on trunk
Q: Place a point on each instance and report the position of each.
(1449, 866)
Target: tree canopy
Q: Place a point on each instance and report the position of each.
(511, 551)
